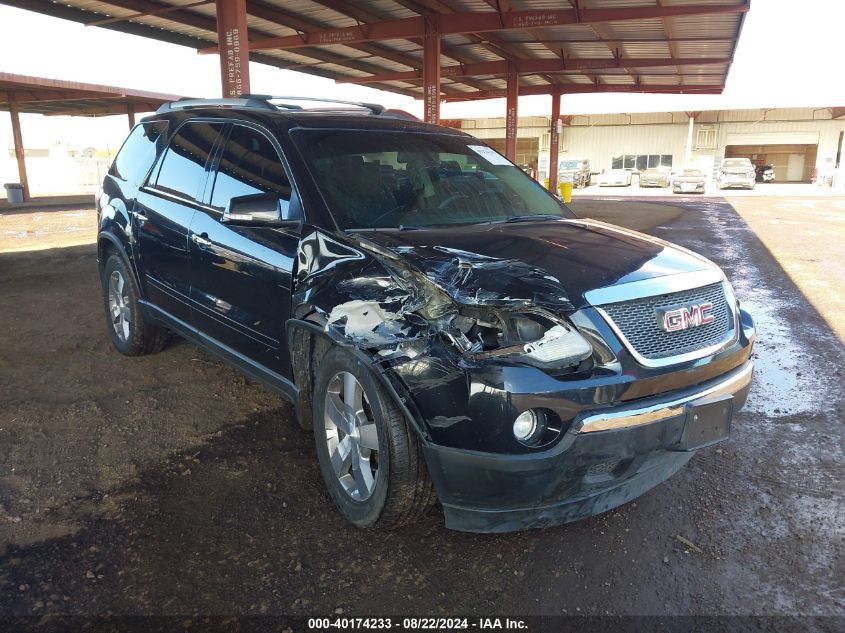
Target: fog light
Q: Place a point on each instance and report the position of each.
(529, 426)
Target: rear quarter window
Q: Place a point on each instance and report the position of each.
(139, 151)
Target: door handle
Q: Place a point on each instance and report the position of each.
(201, 241)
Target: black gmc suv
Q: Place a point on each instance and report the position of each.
(449, 329)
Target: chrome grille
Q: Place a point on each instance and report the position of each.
(638, 322)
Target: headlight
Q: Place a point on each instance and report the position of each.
(534, 337)
(560, 344)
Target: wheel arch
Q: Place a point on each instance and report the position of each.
(107, 241)
(308, 343)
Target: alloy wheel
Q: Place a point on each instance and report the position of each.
(351, 436)
(119, 310)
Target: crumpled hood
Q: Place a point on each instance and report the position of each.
(695, 179)
(545, 263)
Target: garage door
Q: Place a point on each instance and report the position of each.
(792, 162)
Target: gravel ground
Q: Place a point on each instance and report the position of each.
(172, 485)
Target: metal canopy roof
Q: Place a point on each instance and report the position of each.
(52, 96)
(565, 46)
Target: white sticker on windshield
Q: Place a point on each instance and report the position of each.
(490, 155)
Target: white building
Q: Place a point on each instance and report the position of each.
(800, 143)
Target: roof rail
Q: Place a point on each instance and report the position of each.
(374, 108)
(246, 101)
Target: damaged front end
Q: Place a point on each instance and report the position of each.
(501, 374)
(482, 307)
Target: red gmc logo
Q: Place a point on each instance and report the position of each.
(676, 319)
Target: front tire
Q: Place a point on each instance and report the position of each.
(370, 459)
(130, 332)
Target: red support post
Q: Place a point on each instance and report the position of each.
(431, 71)
(233, 46)
(130, 115)
(554, 142)
(512, 96)
(14, 113)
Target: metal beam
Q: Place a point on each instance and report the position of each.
(284, 17)
(554, 43)
(554, 142)
(431, 72)
(511, 115)
(588, 88)
(14, 114)
(491, 42)
(534, 66)
(232, 34)
(202, 22)
(150, 12)
(482, 22)
(99, 111)
(179, 14)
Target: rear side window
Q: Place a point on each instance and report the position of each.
(183, 168)
(249, 165)
(139, 152)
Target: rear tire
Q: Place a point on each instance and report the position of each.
(131, 334)
(370, 458)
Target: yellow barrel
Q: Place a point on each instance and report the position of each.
(566, 191)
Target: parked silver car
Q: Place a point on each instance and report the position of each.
(736, 172)
(655, 177)
(688, 181)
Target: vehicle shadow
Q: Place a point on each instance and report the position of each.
(239, 523)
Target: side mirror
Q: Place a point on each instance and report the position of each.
(261, 209)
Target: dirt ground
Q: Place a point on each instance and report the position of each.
(29, 230)
(171, 485)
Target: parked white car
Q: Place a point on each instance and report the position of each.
(615, 178)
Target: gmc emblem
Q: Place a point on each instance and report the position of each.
(683, 318)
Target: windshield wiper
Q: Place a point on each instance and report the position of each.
(376, 229)
(533, 216)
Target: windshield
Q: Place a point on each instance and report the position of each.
(387, 179)
(571, 164)
(691, 172)
(736, 162)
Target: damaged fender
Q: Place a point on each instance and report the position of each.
(425, 321)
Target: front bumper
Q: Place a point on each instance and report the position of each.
(607, 457)
(729, 182)
(689, 188)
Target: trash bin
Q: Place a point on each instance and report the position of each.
(565, 188)
(14, 192)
